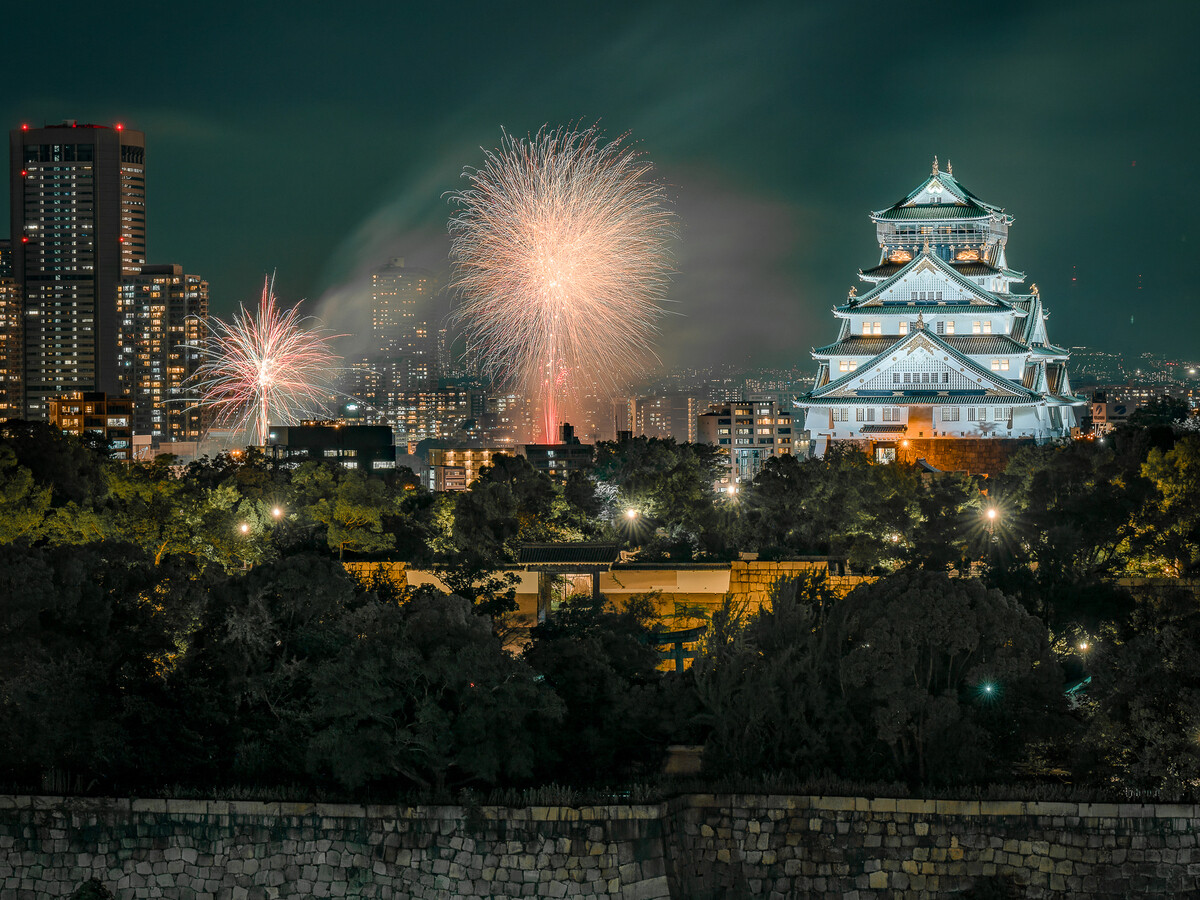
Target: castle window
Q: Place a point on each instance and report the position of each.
(940, 327)
(891, 414)
(876, 328)
(949, 326)
(895, 378)
(840, 415)
(945, 378)
(904, 328)
(950, 414)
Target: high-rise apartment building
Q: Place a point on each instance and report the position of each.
(161, 329)
(11, 315)
(403, 352)
(751, 432)
(78, 218)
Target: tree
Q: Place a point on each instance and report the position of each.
(1173, 513)
(671, 484)
(600, 663)
(917, 676)
(353, 517)
(1144, 700)
(23, 504)
(426, 696)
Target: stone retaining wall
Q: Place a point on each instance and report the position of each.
(255, 851)
(781, 847)
(700, 847)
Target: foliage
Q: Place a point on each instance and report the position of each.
(916, 676)
(599, 661)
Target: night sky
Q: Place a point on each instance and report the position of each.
(317, 139)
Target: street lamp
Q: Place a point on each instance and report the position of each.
(244, 528)
(631, 514)
(276, 512)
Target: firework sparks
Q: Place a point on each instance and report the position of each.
(560, 256)
(264, 366)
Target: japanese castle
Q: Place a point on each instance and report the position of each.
(939, 358)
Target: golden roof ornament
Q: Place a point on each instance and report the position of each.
(1033, 289)
(935, 168)
(853, 292)
(949, 168)
(927, 244)
(920, 321)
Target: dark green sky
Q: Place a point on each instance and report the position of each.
(316, 139)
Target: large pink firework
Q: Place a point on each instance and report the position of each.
(264, 366)
(560, 252)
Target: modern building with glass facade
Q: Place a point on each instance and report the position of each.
(78, 219)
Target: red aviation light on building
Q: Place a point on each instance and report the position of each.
(120, 126)
(121, 239)
(24, 172)
(24, 126)
(25, 239)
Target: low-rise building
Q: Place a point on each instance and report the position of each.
(561, 459)
(368, 448)
(95, 414)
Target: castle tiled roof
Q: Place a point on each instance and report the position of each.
(968, 344)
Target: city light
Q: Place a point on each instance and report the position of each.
(992, 514)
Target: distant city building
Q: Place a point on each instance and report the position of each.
(161, 332)
(939, 354)
(664, 416)
(368, 448)
(95, 414)
(750, 433)
(402, 351)
(11, 336)
(78, 218)
(1109, 414)
(455, 468)
(561, 459)
(435, 413)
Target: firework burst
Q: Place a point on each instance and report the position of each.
(560, 253)
(263, 366)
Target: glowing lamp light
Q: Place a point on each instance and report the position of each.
(992, 513)
(25, 239)
(904, 443)
(120, 126)
(277, 512)
(24, 127)
(1083, 646)
(989, 688)
(631, 514)
(244, 528)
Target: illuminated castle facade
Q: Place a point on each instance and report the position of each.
(938, 358)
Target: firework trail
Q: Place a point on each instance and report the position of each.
(559, 247)
(264, 366)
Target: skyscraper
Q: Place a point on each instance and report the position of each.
(78, 218)
(159, 336)
(403, 347)
(11, 314)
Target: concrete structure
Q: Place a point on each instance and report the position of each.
(161, 332)
(670, 415)
(561, 459)
(95, 414)
(78, 218)
(401, 353)
(455, 468)
(368, 448)
(12, 314)
(939, 348)
(750, 432)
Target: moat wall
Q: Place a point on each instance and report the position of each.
(695, 846)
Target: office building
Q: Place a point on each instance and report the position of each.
(78, 219)
(160, 334)
(11, 351)
(940, 359)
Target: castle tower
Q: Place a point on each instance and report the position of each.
(939, 359)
